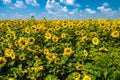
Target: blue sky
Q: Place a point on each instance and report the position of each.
(59, 9)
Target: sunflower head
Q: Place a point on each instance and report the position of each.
(95, 41)
(80, 67)
(22, 57)
(115, 34)
(86, 77)
(31, 40)
(63, 35)
(27, 30)
(48, 35)
(67, 51)
(2, 61)
(76, 76)
(57, 60)
(55, 38)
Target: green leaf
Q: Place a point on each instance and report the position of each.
(51, 77)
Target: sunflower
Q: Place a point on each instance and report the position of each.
(86, 77)
(57, 27)
(106, 30)
(37, 30)
(40, 68)
(84, 39)
(48, 35)
(8, 52)
(64, 24)
(63, 35)
(70, 26)
(93, 34)
(22, 57)
(83, 32)
(2, 61)
(76, 76)
(33, 78)
(31, 40)
(11, 78)
(95, 41)
(1, 44)
(55, 38)
(46, 51)
(80, 67)
(12, 55)
(103, 49)
(36, 57)
(22, 42)
(50, 30)
(27, 30)
(57, 60)
(85, 52)
(115, 34)
(8, 36)
(21, 73)
(49, 57)
(77, 32)
(67, 51)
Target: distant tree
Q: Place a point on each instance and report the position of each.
(32, 17)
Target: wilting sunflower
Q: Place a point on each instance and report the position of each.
(86, 77)
(67, 51)
(76, 76)
(103, 49)
(115, 34)
(55, 38)
(2, 61)
(95, 41)
(80, 67)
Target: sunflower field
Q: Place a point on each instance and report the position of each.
(60, 49)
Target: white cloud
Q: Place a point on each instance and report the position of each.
(32, 2)
(7, 1)
(90, 11)
(54, 7)
(105, 4)
(19, 4)
(70, 2)
(65, 9)
(103, 9)
(74, 11)
(48, 4)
